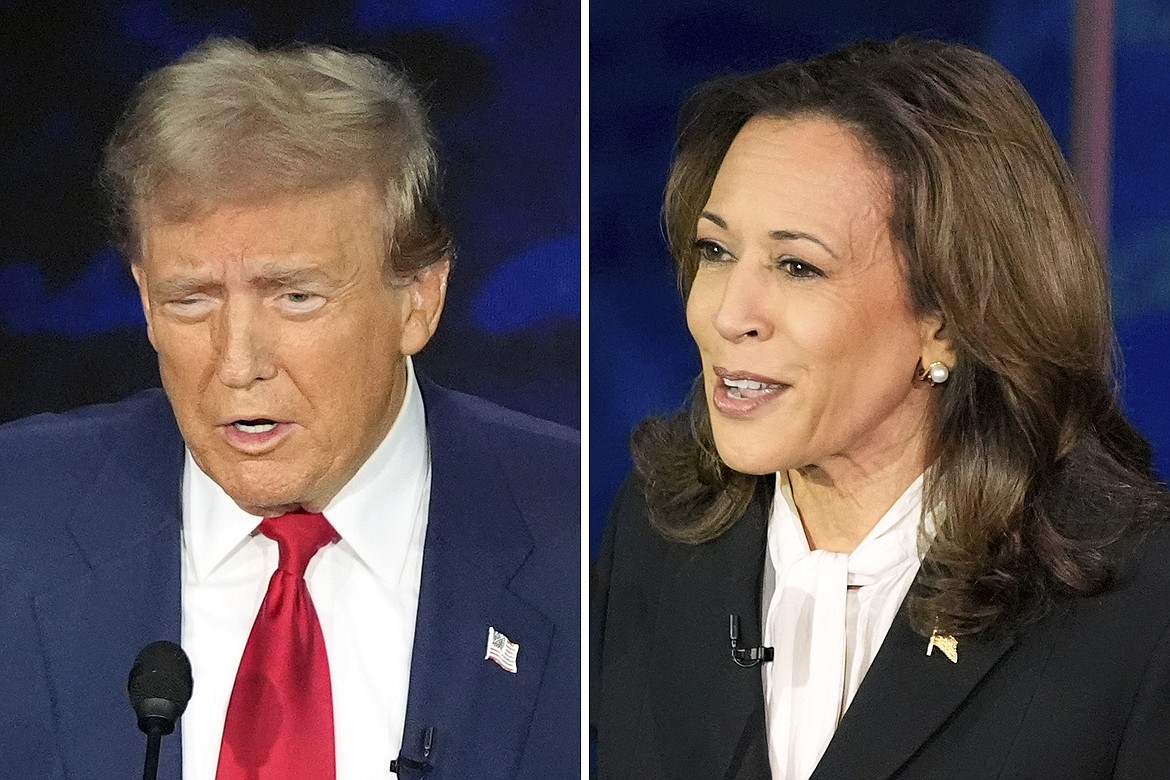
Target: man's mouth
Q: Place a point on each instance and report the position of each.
(255, 426)
(255, 435)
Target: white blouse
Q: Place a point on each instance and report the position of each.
(827, 614)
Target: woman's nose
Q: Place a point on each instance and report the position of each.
(743, 309)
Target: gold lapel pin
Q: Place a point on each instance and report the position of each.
(946, 643)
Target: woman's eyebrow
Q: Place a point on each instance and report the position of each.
(776, 235)
(790, 235)
(718, 220)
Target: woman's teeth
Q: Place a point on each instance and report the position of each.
(749, 388)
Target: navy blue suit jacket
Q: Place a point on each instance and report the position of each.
(90, 572)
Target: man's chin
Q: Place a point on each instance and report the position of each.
(274, 505)
(271, 510)
(267, 487)
(264, 500)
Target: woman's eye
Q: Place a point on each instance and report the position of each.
(711, 252)
(799, 269)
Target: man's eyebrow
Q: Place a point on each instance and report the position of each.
(776, 235)
(266, 278)
(181, 286)
(286, 276)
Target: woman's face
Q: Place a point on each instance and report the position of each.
(800, 306)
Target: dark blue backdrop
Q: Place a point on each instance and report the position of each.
(644, 58)
(503, 83)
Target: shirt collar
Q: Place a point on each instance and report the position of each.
(376, 513)
(901, 520)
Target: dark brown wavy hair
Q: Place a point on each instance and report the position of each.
(995, 239)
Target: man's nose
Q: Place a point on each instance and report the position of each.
(244, 345)
(743, 310)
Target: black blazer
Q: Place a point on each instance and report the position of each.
(1083, 693)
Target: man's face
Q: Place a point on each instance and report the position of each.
(280, 342)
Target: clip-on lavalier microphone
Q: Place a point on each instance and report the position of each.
(747, 657)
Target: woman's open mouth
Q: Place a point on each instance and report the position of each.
(738, 394)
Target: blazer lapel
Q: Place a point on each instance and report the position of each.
(476, 713)
(700, 589)
(123, 592)
(905, 697)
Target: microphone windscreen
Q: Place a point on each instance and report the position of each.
(161, 673)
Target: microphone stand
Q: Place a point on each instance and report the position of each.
(153, 746)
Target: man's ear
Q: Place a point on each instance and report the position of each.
(937, 346)
(143, 295)
(427, 292)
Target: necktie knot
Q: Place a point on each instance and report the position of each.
(299, 535)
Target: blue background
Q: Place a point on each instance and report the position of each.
(645, 58)
(503, 83)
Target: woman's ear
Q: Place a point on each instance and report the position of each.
(937, 346)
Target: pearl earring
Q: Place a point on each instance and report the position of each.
(936, 373)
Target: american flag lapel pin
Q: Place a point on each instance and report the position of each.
(946, 643)
(501, 650)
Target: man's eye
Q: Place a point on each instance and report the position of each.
(299, 302)
(187, 308)
(711, 252)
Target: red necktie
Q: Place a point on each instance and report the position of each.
(280, 717)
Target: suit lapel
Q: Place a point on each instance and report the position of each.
(701, 587)
(123, 593)
(477, 712)
(905, 697)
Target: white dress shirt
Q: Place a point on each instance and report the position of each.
(826, 616)
(365, 589)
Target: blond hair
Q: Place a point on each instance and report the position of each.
(230, 123)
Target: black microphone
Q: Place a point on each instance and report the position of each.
(159, 687)
(403, 764)
(747, 657)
